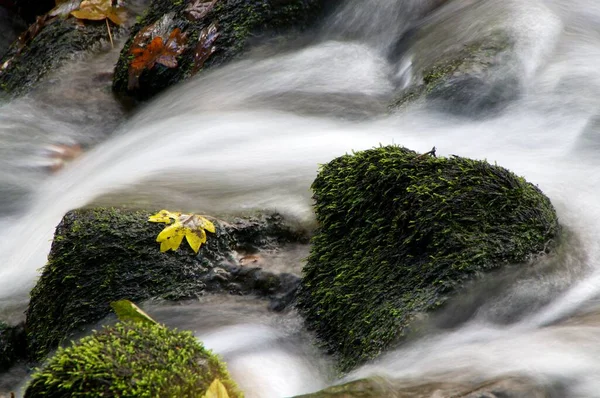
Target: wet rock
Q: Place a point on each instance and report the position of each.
(214, 33)
(399, 233)
(132, 360)
(106, 254)
(12, 345)
(58, 40)
(477, 79)
(384, 388)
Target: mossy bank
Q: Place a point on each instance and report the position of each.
(131, 360)
(101, 255)
(400, 232)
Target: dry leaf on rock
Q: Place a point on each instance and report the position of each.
(205, 48)
(98, 10)
(197, 9)
(155, 52)
(192, 227)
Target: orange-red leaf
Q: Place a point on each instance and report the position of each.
(145, 58)
(157, 51)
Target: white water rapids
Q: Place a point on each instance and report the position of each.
(251, 135)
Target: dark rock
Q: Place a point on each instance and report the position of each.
(399, 233)
(106, 254)
(131, 360)
(476, 80)
(12, 345)
(238, 22)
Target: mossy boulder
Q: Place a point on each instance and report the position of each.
(131, 360)
(237, 22)
(400, 232)
(102, 255)
(12, 345)
(476, 79)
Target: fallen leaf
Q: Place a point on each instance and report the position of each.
(98, 10)
(199, 8)
(205, 48)
(127, 311)
(191, 226)
(155, 52)
(216, 390)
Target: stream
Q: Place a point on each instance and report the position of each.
(250, 136)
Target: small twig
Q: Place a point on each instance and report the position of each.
(110, 35)
(430, 153)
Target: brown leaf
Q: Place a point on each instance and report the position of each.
(155, 52)
(199, 8)
(205, 48)
(98, 10)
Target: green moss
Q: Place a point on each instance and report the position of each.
(398, 233)
(131, 360)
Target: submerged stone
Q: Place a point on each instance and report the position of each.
(475, 80)
(131, 360)
(102, 255)
(377, 387)
(399, 233)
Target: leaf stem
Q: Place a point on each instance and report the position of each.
(109, 34)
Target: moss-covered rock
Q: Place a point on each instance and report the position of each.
(473, 80)
(12, 345)
(237, 21)
(22, 66)
(131, 360)
(398, 233)
(107, 254)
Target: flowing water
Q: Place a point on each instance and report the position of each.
(251, 135)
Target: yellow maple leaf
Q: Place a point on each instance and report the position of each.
(191, 226)
(216, 390)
